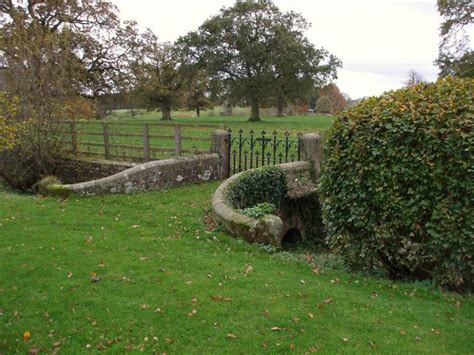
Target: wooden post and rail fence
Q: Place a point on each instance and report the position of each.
(103, 144)
(244, 150)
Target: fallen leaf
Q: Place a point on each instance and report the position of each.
(402, 332)
(192, 313)
(248, 269)
(296, 319)
(317, 271)
(69, 275)
(345, 340)
(276, 329)
(231, 336)
(326, 301)
(57, 344)
(313, 350)
(94, 277)
(375, 294)
(26, 335)
(418, 339)
(310, 315)
(34, 351)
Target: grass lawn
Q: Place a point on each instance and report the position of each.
(166, 284)
(308, 123)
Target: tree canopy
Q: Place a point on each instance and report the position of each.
(456, 57)
(158, 81)
(83, 44)
(259, 54)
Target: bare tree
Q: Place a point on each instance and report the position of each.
(414, 78)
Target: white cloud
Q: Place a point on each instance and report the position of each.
(378, 41)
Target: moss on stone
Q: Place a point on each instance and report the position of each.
(61, 191)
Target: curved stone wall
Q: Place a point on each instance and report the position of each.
(272, 228)
(149, 176)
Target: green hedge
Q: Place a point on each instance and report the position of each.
(397, 185)
(266, 184)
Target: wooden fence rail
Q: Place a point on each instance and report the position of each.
(109, 131)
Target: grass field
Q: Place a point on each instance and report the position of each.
(167, 284)
(201, 135)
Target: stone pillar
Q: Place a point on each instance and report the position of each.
(311, 150)
(221, 145)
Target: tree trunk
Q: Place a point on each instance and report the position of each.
(198, 111)
(280, 108)
(255, 111)
(166, 111)
(228, 110)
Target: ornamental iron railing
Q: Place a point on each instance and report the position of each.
(253, 150)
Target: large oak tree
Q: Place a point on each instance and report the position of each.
(259, 53)
(158, 78)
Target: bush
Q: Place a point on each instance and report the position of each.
(259, 211)
(267, 184)
(397, 183)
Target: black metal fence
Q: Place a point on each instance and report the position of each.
(253, 150)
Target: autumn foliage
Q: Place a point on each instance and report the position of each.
(331, 100)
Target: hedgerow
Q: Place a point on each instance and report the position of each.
(397, 186)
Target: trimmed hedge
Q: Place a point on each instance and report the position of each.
(397, 186)
(267, 184)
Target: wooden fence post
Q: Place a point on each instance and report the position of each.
(75, 147)
(105, 127)
(146, 141)
(177, 140)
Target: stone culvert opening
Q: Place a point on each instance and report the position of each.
(291, 239)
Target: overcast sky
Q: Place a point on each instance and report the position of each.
(378, 41)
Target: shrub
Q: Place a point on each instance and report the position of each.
(8, 108)
(267, 184)
(260, 210)
(397, 183)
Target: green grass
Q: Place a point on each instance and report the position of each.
(157, 263)
(308, 123)
(293, 124)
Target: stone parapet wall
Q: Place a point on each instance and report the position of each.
(270, 229)
(149, 176)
